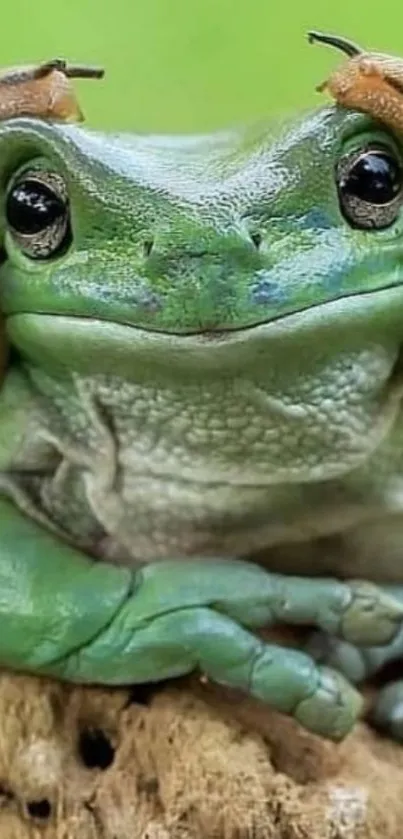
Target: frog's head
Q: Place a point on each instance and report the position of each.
(120, 239)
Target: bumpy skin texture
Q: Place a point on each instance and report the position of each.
(211, 368)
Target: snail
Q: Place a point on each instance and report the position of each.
(369, 82)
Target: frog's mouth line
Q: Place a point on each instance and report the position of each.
(224, 334)
(95, 345)
(221, 333)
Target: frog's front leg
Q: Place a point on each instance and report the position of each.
(66, 616)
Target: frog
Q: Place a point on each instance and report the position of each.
(201, 430)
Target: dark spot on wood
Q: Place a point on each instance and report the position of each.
(95, 749)
(40, 809)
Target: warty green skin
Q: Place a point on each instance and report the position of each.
(212, 370)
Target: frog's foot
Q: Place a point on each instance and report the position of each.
(355, 611)
(367, 82)
(357, 665)
(189, 639)
(184, 615)
(357, 662)
(387, 711)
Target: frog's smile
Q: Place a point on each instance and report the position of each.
(221, 331)
(65, 339)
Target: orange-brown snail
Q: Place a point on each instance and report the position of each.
(370, 82)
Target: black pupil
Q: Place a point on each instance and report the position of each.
(376, 178)
(32, 206)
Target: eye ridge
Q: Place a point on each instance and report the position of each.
(37, 213)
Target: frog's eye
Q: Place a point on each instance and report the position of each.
(370, 187)
(37, 214)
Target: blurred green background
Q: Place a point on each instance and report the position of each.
(191, 65)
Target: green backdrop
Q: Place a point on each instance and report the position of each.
(194, 64)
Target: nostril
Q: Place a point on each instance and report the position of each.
(148, 245)
(256, 239)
